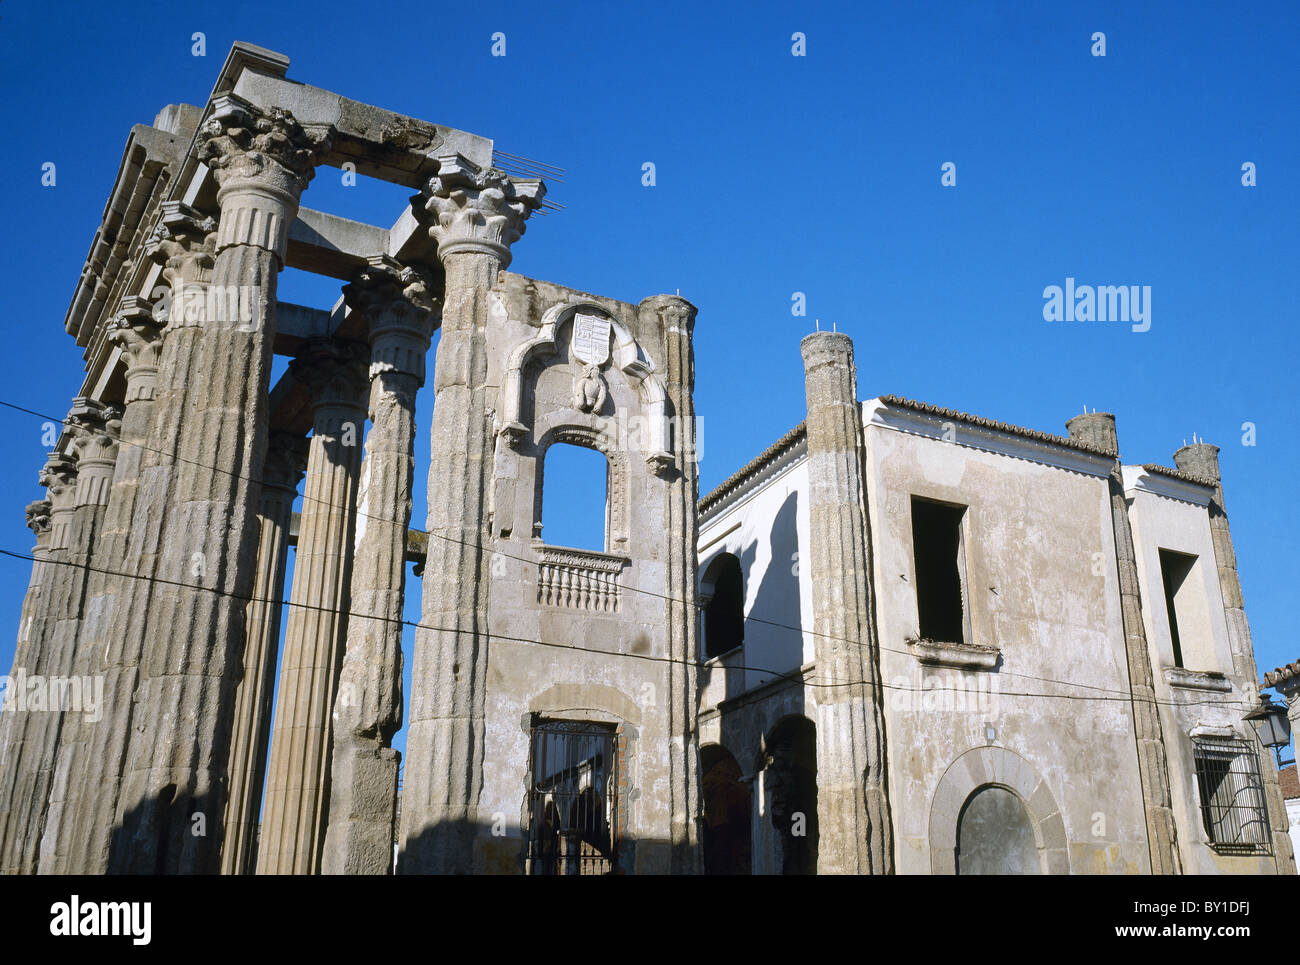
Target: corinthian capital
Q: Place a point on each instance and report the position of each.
(474, 209)
(96, 429)
(59, 477)
(241, 142)
(334, 371)
(400, 306)
(183, 241)
(38, 517)
(139, 335)
(286, 460)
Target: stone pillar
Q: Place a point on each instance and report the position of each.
(32, 656)
(856, 835)
(93, 429)
(173, 790)
(675, 318)
(297, 785)
(1098, 430)
(138, 334)
(286, 460)
(1202, 459)
(474, 217)
(398, 305)
(182, 241)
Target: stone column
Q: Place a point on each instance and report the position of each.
(675, 318)
(1202, 459)
(32, 656)
(398, 305)
(286, 460)
(1098, 429)
(297, 785)
(138, 334)
(182, 241)
(474, 217)
(93, 429)
(173, 792)
(856, 835)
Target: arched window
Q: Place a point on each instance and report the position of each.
(575, 497)
(724, 613)
(995, 835)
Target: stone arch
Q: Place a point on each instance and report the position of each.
(726, 835)
(789, 759)
(626, 354)
(982, 767)
(722, 596)
(589, 436)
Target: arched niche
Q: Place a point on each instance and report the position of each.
(626, 355)
(982, 767)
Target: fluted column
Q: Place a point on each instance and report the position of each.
(297, 785)
(173, 793)
(138, 334)
(286, 460)
(1098, 429)
(1202, 459)
(675, 318)
(32, 657)
(93, 429)
(474, 216)
(182, 242)
(853, 816)
(398, 305)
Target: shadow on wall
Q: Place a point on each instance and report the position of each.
(776, 601)
(447, 848)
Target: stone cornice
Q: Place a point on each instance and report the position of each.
(963, 656)
(1169, 484)
(1209, 680)
(469, 208)
(583, 559)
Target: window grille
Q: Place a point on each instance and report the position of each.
(1233, 807)
(573, 799)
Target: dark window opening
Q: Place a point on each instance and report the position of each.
(724, 614)
(573, 799)
(1233, 810)
(936, 545)
(1174, 570)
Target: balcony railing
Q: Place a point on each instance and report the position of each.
(579, 579)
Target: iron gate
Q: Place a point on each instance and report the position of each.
(573, 798)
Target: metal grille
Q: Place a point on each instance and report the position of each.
(1233, 807)
(573, 800)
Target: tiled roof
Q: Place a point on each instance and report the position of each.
(1282, 674)
(751, 468)
(975, 420)
(1182, 474)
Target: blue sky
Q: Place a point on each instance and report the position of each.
(778, 174)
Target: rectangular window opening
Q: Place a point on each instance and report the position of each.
(940, 570)
(1175, 568)
(573, 801)
(1233, 809)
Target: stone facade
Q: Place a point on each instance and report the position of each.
(749, 682)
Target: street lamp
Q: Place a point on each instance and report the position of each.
(1272, 725)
